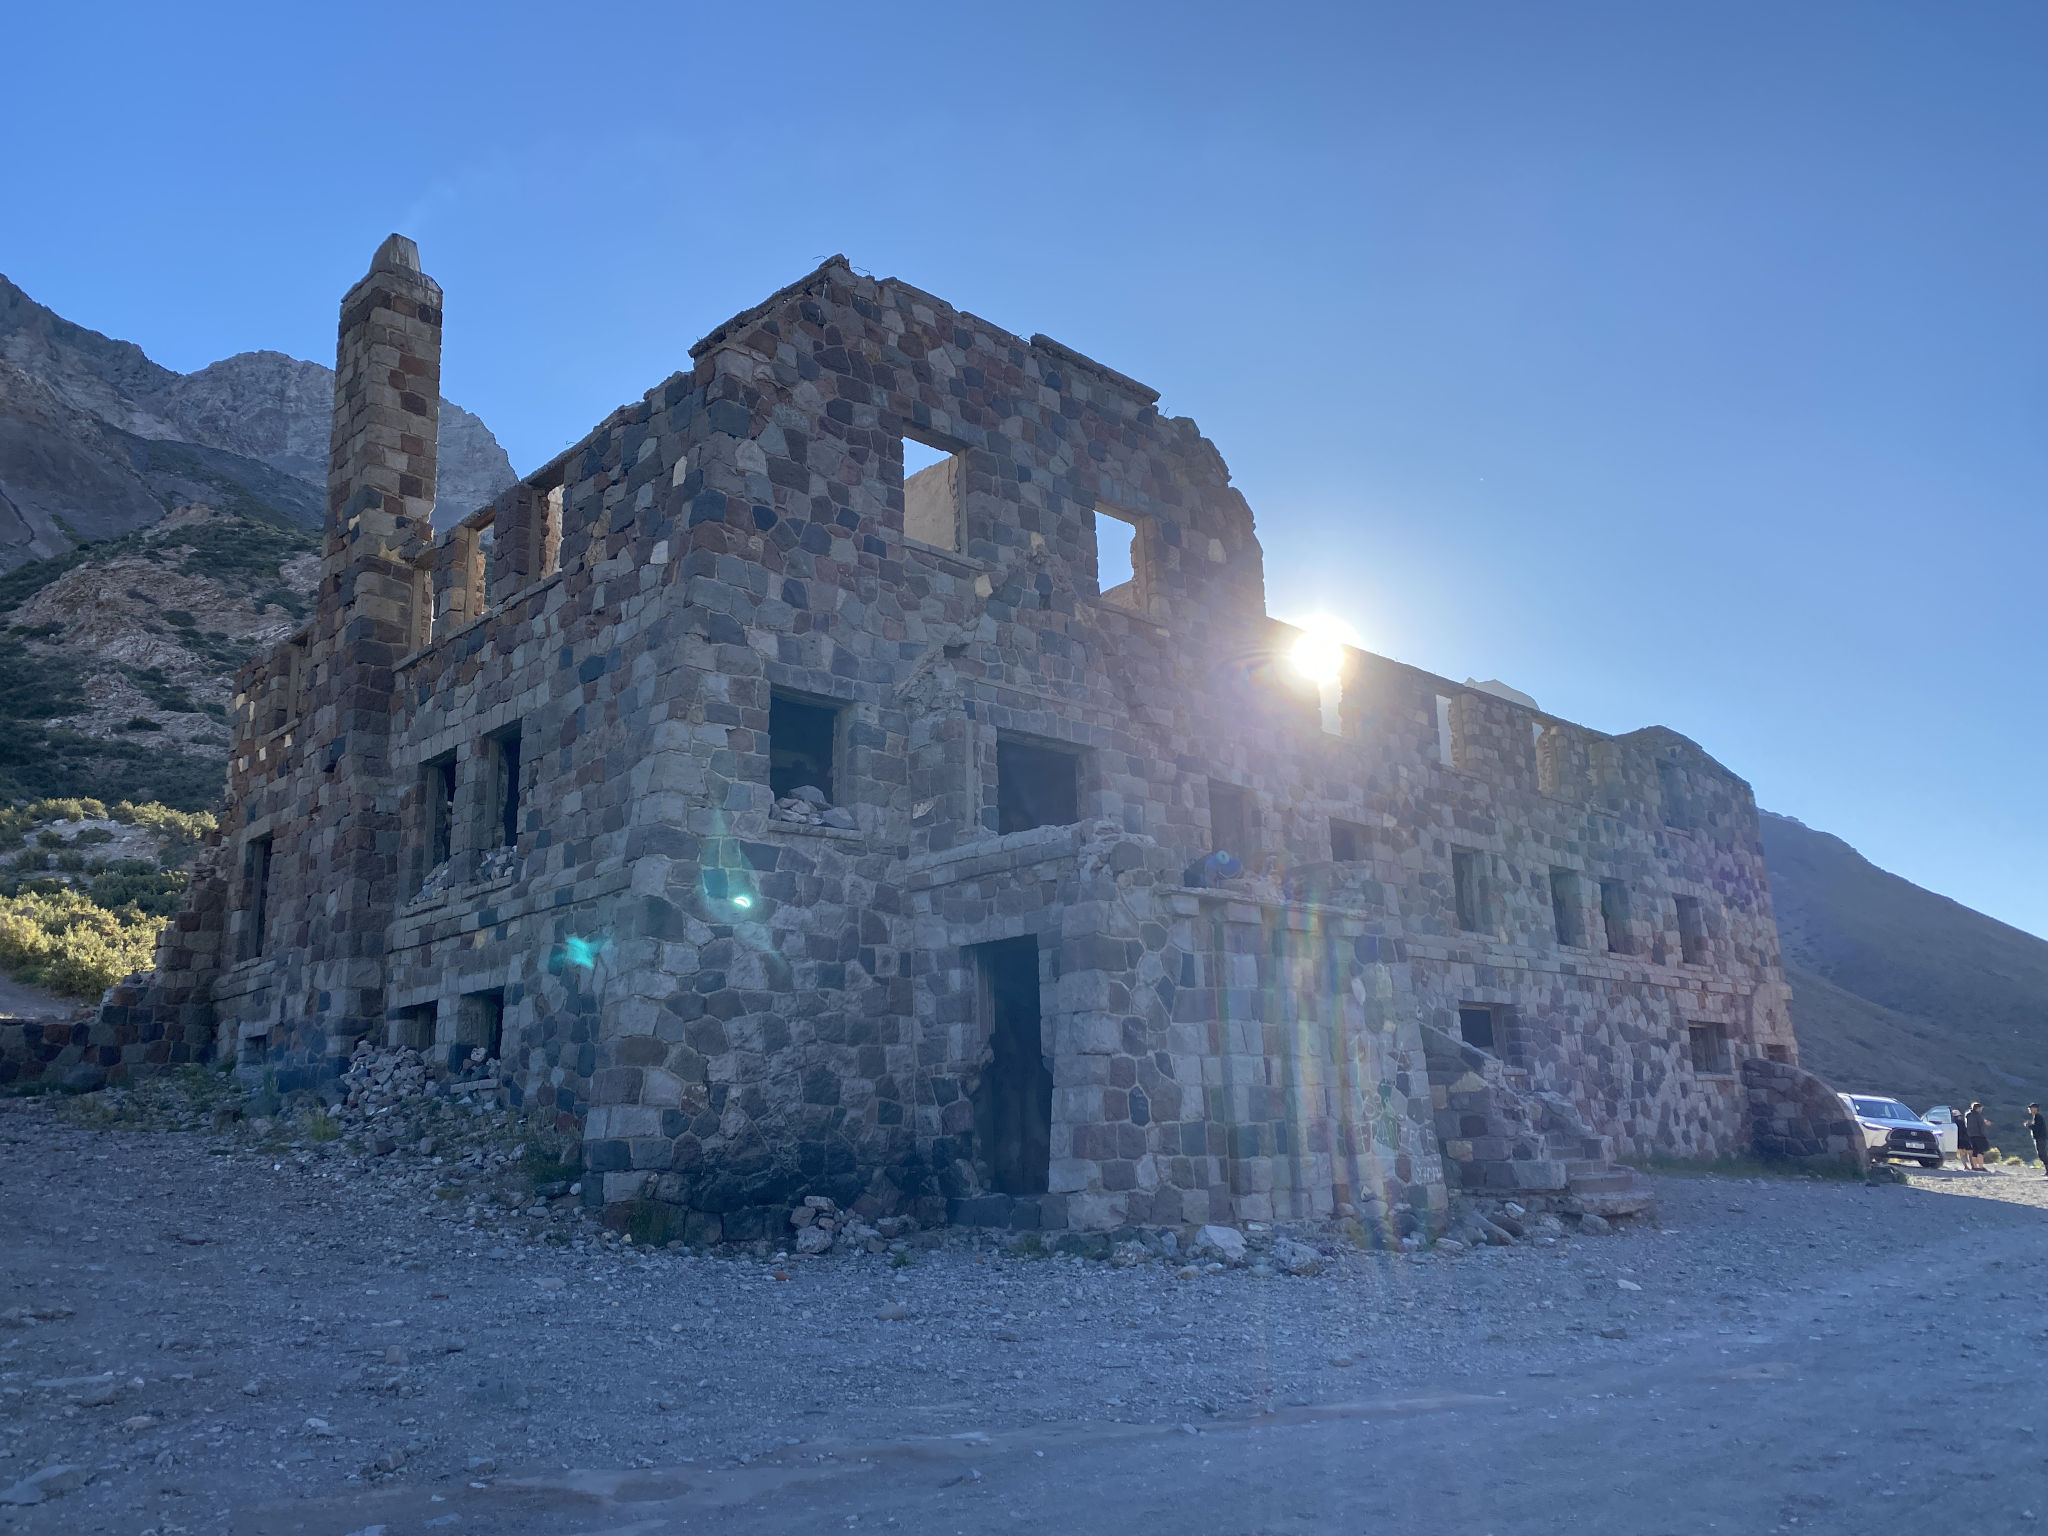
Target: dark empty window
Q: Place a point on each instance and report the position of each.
(800, 740)
(414, 1027)
(1567, 907)
(256, 857)
(1466, 891)
(1671, 778)
(1614, 916)
(1692, 930)
(438, 787)
(501, 803)
(1476, 1026)
(1013, 1100)
(479, 1026)
(1778, 1053)
(1709, 1044)
(1347, 842)
(1230, 820)
(1035, 786)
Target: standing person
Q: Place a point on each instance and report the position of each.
(1978, 1128)
(2037, 1128)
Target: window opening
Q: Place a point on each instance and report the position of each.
(801, 736)
(1035, 786)
(502, 807)
(1614, 916)
(1709, 1046)
(1466, 890)
(1671, 778)
(1347, 842)
(1444, 751)
(1550, 749)
(1013, 1100)
(257, 857)
(1692, 930)
(1475, 1025)
(414, 1027)
(479, 1025)
(439, 789)
(1778, 1053)
(934, 493)
(1116, 558)
(1567, 909)
(1230, 820)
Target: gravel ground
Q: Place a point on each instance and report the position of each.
(237, 1339)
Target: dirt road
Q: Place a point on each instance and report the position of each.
(225, 1340)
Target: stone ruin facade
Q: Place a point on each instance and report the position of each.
(790, 820)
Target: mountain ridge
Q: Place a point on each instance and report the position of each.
(260, 408)
(1898, 989)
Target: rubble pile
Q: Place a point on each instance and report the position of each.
(822, 1227)
(806, 806)
(379, 1080)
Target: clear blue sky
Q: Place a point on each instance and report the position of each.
(1675, 364)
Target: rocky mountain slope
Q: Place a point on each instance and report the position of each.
(1896, 989)
(98, 440)
(156, 529)
(116, 659)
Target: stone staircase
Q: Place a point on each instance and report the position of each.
(1503, 1140)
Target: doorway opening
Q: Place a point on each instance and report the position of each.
(1013, 1102)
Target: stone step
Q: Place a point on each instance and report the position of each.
(1609, 1182)
(1507, 1176)
(1622, 1192)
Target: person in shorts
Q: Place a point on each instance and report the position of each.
(2038, 1129)
(1977, 1126)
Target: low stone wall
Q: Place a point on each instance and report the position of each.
(126, 1037)
(1795, 1116)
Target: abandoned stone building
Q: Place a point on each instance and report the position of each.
(865, 766)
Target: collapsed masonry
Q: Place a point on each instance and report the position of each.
(790, 825)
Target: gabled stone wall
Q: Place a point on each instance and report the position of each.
(738, 1010)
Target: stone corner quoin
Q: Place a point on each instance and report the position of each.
(792, 826)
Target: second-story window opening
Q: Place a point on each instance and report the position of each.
(1614, 916)
(1567, 907)
(801, 738)
(256, 865)
(1036, 786)
(1467, 893)
(1347, 842)
(1692, 930)
(501, 802)
(1445, 748)
(1230, 821)
(438, 787)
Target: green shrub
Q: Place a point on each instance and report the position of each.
(69, 943)
(180, 830)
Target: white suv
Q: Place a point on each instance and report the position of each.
(1890, 1130)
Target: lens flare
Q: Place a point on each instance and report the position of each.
(1318, 658)
(1319, 654)
(743, 902)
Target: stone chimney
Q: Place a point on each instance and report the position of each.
(380, 500)
(387, 403)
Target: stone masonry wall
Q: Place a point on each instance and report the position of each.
(739, 1010)
(1796, 1116)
